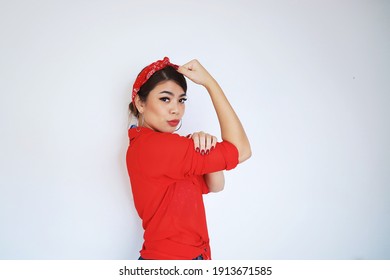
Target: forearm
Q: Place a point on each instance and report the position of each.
(231, 127)
(215, 181)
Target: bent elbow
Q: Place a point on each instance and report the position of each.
(216, 189)
(217, 186)
(244, 155)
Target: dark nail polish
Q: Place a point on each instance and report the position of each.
(202, 152)
(207, 152)
(197, 150)
(212, 148)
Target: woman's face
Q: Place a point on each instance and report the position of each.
(164, 107)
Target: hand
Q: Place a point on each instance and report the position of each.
(204, 143)
(194, 71)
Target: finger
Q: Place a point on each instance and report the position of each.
(184, 70)
(213, 143)
(188, 71)
(208, 139)
(189, 65)
(195, 138)
(202, 142)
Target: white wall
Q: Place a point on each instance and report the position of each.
(309, 79)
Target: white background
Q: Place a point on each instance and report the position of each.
(309, 80)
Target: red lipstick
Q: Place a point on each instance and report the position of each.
(173, 123)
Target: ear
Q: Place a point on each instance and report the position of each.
(139, 104)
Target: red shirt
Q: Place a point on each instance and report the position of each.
(166, 175)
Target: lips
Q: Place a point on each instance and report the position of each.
(173, 123)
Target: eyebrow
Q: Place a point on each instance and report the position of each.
(170, 93)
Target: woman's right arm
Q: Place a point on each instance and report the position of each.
(231, 127)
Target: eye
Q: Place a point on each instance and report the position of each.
(183, 100)
(164, 99)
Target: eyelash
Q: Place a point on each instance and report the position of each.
(181, 100)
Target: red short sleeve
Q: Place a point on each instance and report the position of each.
(174, 156)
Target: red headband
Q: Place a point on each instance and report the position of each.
(147, 72)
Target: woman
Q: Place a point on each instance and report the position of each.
(169, 173)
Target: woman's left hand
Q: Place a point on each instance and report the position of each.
(204, 143)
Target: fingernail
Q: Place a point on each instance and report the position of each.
(202, 152)
(197, 150)
(188, 136)
(212, 148)
(207, 152)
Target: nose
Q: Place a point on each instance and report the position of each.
(174, 108)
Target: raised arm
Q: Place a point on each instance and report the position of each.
(231, 127)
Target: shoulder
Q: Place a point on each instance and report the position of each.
(163, 137)
(152, 140)
(157, 153)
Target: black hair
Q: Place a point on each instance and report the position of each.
(166, 74)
